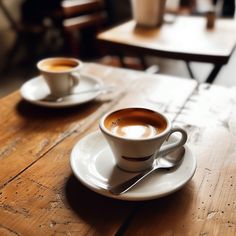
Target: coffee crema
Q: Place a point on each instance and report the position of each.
(135, 123)
(59, 67)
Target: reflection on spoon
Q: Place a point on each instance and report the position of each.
(51, 98)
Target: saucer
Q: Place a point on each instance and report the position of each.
(36, 89)
(92, 162)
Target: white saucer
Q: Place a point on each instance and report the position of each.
(93, 164)
(36, 89)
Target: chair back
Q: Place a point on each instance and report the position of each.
(80, 14)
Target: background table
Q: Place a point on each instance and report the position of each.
(186, 39)
(40, 196)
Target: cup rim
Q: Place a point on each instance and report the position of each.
(39, 64)
(106, 131)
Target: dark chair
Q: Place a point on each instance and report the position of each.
(81, 22)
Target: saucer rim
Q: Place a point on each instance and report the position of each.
(59, 104)
(131, 195)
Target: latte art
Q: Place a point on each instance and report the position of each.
(135, 123)
(135, 131)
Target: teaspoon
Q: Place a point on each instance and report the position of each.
(51, 98)
(168, 161)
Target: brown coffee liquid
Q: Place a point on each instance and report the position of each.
(135, 123)
(59, 66)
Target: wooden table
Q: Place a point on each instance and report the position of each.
(186, 39)
(40, 196)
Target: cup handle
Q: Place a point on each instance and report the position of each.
(75, 79)
(172, 146)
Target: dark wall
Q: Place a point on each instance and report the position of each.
(118, 10)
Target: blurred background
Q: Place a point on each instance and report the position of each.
(34, 29)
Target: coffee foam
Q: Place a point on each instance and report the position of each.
(135, 123)
(135, 131)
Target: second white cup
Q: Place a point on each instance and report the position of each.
(60, 74)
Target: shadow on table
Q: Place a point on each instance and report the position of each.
(100, 210)
(166, 215)
(30, 111)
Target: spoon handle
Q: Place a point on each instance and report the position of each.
(51, 98)
(100, 89)
(125, 186)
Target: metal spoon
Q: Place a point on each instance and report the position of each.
(168, 161)
(51, 98)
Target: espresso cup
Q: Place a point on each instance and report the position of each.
(136, 136)
(60, 74)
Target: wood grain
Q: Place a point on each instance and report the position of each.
(205, 206)
(39, 194)
(28, 132)
(47, 198)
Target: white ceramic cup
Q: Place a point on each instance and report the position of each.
(148, 13)
(60, 74)
(138, 153)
